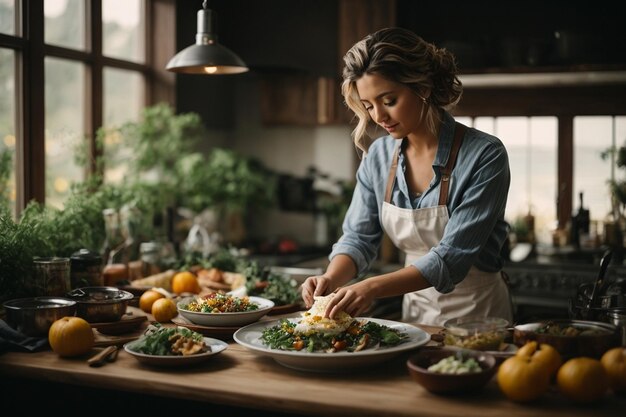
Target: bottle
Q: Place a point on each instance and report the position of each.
(583, 217)
(580, 223)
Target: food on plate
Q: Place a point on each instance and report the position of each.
(479, 341)
(582, 380)
(218, 280)
(456, 365)
(70, 336)
(571, 330)
(164, 310)
(315, 333)
(314, 321)
(614, 362)
(221, 303)
(160, 280)
(170, 341)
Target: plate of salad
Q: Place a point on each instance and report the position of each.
(173, 347)
(366, 342)
(218, 309)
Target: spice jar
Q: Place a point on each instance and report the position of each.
(51, 276)
(86, 269)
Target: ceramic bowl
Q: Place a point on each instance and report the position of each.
(443, 383)
(226, 319)
(34, 316)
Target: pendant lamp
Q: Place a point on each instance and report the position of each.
(207, 56)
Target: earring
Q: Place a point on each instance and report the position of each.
(423, 99)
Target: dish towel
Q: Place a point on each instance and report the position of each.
(11, 339)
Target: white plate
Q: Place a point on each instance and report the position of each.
(216, 346)
(226, 319)
(250, 337)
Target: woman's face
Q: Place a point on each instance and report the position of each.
(392, 105)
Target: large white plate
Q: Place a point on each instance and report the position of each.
(216, 346)
(226, 319)
(250, 337)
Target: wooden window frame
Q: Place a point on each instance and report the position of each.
(31, 51)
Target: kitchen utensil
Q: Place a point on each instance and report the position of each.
(34, 316)
(100, 304)
(604, 264)
(108, 354)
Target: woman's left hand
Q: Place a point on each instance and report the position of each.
(353, 299)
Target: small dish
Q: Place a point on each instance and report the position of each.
(226, 319)
(475, 332)
(215, 346)
(442, 383)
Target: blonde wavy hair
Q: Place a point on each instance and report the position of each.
(400, 55)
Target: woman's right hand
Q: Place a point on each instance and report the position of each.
(315, 286)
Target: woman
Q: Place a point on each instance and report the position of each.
(437, 188)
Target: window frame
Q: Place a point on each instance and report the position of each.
(31, 50)
(562, 102)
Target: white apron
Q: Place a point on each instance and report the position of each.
(417, 231)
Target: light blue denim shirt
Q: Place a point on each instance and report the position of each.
(476, 230)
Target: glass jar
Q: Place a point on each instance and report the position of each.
(86, 269)
(150, 256)
(51, 277)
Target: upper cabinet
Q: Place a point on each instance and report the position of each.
(522, 37)
(284, 36)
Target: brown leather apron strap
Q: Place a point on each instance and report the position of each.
(446, 172)
(391, 179)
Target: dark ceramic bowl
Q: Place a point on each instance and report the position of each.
(440, 383)
(34, 316)
(100, 304)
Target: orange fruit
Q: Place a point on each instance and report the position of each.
(543, 353)
(614, 362)
(185, 282)
(523, 378)
(70, 336)
(164, 310)
(583, 380)
(148, 298)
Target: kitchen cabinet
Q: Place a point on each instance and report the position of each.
(310, 99)
(527, 36)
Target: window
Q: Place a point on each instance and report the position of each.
(75, 66)
(7, 129)
(531, 144)
(593, 136)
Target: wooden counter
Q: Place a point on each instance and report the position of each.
(241, 378)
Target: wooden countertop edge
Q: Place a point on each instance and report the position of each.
(258, 382)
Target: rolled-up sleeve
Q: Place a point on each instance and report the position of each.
(362, 231)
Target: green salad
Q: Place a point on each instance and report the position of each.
(170, 341)
(358, 336)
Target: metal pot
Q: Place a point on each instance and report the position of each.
(594, 339)
(100, 304)
(34, 316)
